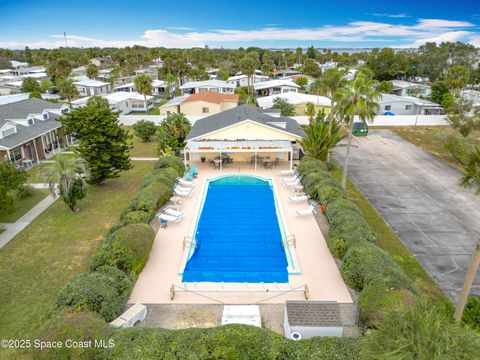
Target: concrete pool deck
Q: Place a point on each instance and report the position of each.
(167, 258)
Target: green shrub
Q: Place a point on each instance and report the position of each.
(328, 193)
(144, 129)
(105, 291)
(340, 205)
(174, 162)
(162, 191)
(127, 249)
(366, 264)
(471, 314)
(232, 342)
(338, 246)
(167, 176)
(24, 191)
(134, 217)
(376, 300)
(312, 180)
(308, 163)
(78, 326)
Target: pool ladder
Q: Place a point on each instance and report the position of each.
(188, 242)
(289, 240)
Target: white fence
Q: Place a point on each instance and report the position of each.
(396, 120)
(129, 120)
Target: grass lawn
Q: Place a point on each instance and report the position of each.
(142, 149)
(56, 246)
(34, 174)
(426, 138)
(391, 243)
(23, 205)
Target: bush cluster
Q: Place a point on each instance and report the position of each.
(226, 342)
(124, 251)
(365, 267)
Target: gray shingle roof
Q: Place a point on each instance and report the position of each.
(239, 114)
(20, 110)
(313, 313)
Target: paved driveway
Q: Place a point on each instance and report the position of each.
(419, 196)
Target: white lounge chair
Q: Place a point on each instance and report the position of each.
(286, 172)
(169, 218)
(183, 193)
(173, 212)
(308, 211)
(290, 179)
(186, 183)
(292, 183)
(299, 197)
(184, 189)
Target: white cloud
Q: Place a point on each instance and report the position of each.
(400, 15)
(361, 32)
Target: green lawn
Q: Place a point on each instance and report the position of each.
(426, 138)
(35, 173)
(391, 243)
(56, 246)
(23, 205)
(142, 149)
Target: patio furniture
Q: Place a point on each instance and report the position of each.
(183, 193)
(276, 162)
(297, 188)
(308, 211)
(176, 200)
(186, 183)
(183, 189)
(299, 197)
(193, 171)
(267, 163)
(169, 218)
(217, 163)
(292, 183)
(289, 179)
(170, 211)
(286, 172)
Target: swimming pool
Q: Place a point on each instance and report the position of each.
(238, 234)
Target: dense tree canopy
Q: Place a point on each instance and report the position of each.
(103, 143)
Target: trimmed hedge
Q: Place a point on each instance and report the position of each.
(135, 217)
(170, 161)
(78, 326)
(104, 291)
(127, 249)
(225, 342)
(166, 176)
(366, 264)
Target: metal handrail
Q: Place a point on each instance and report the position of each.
(188, 240)
(289, 240)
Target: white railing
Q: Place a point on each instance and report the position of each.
(396, 120)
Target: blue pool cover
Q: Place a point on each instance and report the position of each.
(238, 235)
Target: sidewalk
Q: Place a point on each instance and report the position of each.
(14, 228)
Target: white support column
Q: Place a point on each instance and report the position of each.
(291, 159)
(36, 151)
(8, 155)
(185, 157)
(51, 142)
(43, 145)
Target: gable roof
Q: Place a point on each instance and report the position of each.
(274, 83)
(212, 97)
(21, 109)
(313, 313)
(241, 113)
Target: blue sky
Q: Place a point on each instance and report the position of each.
(231, 24)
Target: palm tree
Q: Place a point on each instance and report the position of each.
(67, 175)
(143, 85)
(358, 98)
(169, 79)
(471, 176)
(321, 138)
(328, 84)
(248, 66)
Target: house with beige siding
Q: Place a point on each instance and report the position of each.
(246, 134)
(30, 131)
(200, 104)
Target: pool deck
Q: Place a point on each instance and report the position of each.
(317, 266)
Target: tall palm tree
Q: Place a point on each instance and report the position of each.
(143, 85)
(327, 85)
(471, 176)
(68, 176)
(248, 65)
(358, 98)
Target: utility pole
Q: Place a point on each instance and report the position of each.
(65, 36)
(467, 284)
